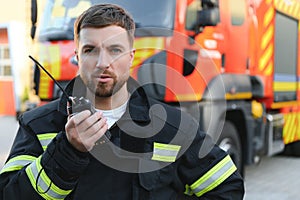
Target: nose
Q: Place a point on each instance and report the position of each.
(103, 60)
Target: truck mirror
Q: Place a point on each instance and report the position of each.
(208, 17)
(210, 3)
(33, 17)
(74, 60)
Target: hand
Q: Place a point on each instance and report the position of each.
(84, 129)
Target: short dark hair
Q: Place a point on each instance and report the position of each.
(103, 15)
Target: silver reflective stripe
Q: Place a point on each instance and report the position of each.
(165, 152)
(17, 163)
(45, 139)
(42, 183)
(214, 177)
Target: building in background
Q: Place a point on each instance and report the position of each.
(6, 86)
(7, 94)
(15, 46)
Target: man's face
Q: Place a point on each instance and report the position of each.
(104, 57)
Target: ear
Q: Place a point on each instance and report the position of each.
(76, 54)
(132, 52)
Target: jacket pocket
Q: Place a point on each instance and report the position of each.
(156, 184)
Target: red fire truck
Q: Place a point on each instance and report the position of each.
(232, 64)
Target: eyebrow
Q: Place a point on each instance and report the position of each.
(118, 45)
(88, 46)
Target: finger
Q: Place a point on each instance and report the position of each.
(90, 142)
(80, 117)
(97, 135)
(89, 122)
(100, 124)
(69, 108)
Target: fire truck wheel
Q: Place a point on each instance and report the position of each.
(230, 142)
(292, 149)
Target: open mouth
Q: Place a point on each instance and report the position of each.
(103, 78)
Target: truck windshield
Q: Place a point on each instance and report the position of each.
(59, 16)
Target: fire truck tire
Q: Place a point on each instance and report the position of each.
(229, 141)
(292, 149)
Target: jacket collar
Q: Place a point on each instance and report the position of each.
(138, 106)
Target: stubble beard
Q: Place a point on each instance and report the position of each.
(106, 89)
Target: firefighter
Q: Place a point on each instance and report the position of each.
(132, 147)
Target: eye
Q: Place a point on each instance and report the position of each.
(88, 50)
(115, 51)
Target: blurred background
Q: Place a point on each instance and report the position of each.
(15, 46)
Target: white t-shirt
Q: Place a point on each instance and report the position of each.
(114, 115)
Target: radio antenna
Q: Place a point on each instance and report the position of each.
(60, 87)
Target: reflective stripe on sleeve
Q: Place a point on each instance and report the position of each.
(45, 139)
(165, 152)
(43, 184)
(17, 163)
(214, 177)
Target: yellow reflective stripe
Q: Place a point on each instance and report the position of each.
(188, 190)
(214, 177)
(171, 147)
(17, 163)
(45, 139)
(164, 158)
(42, 183)
(284, 86)
(55, 59)
(46, 136)
(238, 95)
(188, 97)
(165, 152)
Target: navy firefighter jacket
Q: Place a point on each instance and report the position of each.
(155, 152)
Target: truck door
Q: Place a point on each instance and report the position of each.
(235, 16)
(286, 51)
